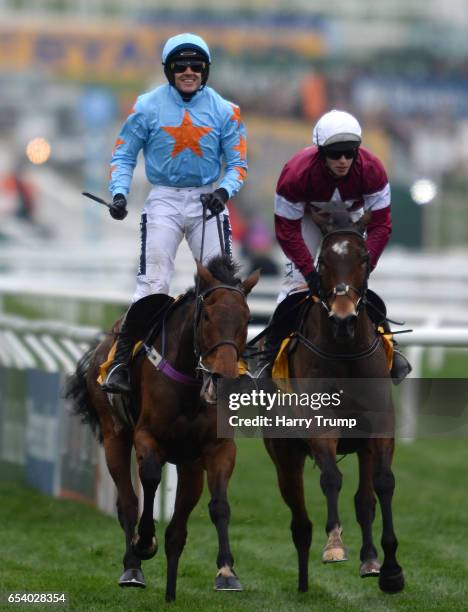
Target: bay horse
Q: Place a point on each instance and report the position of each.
(176, 419)
(336, 339)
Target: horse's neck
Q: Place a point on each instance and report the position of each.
(179, 339)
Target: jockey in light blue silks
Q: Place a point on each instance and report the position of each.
(186, 130)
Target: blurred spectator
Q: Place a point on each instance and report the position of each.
(20, 194)
(255, 241)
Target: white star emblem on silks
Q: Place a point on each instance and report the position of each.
(336, 204)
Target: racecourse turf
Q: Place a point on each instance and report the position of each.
(49, 545)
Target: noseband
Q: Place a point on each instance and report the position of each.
(344, 288)
(198, 312)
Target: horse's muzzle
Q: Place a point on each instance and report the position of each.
(343, 328)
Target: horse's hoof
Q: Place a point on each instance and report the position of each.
(132, 578)
(393, 583)
(334, 555)
(334, 551)
(144, 553)
(369, 568)
(226, 580)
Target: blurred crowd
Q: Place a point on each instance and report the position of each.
(412, 102)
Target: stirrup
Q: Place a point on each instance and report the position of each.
(264, 370)
(401, 367)
(117, 379)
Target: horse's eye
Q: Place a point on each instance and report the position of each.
(205, 317)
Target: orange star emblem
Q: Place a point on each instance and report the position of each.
(236, 114)
(118, 142)
(242, 172)
(187, 136)
(241, 147)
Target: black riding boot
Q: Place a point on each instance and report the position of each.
(401, 367)
(283, 322)
(118, 375)
(271, 346)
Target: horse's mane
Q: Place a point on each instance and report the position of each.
(224, 269)
(340, 221)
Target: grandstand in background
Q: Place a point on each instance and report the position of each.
(399, 65)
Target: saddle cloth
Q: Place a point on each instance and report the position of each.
(110, 358)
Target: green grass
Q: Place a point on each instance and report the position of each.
(57, 545)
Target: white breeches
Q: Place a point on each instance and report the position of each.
(169, 214)
(292, 277)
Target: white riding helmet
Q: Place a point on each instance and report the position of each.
(336, 127)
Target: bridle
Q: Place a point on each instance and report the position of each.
(200, 297)
(344, 288)
(200, 300)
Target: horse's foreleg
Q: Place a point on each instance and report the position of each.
(189, 489)
(391, 579)
(364, 502)
(219, 460)
(145, 544)
(324, 452)
(289, 460)
(118, 449)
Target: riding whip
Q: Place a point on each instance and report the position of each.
(96, 199)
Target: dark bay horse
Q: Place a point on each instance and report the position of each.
(176, 420)
(337, 340)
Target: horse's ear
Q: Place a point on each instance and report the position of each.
(322, 220)
(250, 282)
(205, 275)
(361, 223)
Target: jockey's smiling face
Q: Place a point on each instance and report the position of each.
(187, 81)
(339, 167)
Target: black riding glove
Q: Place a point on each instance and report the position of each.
(313, 280)
(215, 201)
(118, 208)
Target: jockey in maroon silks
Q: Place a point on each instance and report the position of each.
(336, 174)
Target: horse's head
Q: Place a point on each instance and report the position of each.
(221, 323)
(343, 266)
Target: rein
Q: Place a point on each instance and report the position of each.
(158, 360)
(198, 312)
(163, 365)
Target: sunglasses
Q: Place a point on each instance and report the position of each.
(336, 155)
(180, 67)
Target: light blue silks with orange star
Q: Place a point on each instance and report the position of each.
(184, 143)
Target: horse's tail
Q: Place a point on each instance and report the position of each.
(76, 390)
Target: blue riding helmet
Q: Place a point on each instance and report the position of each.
(179, 47)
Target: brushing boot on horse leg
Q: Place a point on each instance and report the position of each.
(377, 312)
(118, 375)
